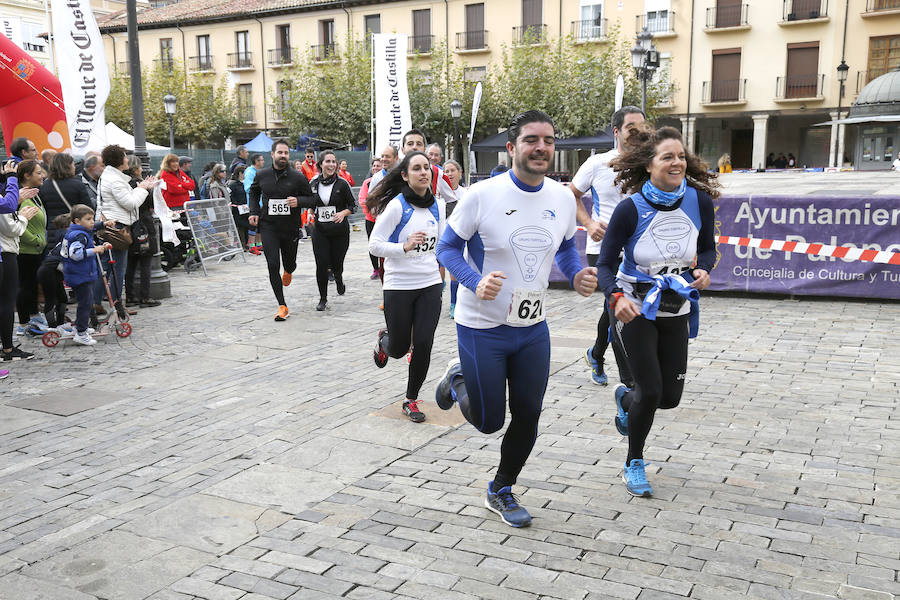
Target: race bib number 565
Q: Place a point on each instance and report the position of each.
(278, 207)
(527, 307)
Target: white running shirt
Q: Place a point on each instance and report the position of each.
(597, 178)
(417, 268)
(512, 230)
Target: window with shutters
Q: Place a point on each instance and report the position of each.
(802, 77)
(884, 56)
(726, 72)
(372, 23)
(422, 39)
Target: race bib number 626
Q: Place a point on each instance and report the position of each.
(527, 307)
(278, 207)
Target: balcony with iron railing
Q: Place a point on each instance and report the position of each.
(806, 87)
(281, 57)
(798, 12)
(727, 18)
(472, 41)
(589, 30)
(529, 35)
(324, 52)
(659, 25)
(246, 113)
(240, 61)
(420, 44)
(277, 112)
(875, 8)
(724, 92)
(165, 64)
(201, 64)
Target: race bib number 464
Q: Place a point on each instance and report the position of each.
(527, 307)
(278, 207)
(325, 214)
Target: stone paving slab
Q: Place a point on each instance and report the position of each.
(247, 459)
(68, 402)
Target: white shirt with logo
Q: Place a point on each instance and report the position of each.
(417, 268)
(597, 178)
(511, 230)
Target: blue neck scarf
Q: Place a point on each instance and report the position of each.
(658, 196)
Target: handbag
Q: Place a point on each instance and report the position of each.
(119, 236)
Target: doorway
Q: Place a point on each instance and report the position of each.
(742, 148)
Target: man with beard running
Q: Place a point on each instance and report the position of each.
(512, 227)
(278, 196)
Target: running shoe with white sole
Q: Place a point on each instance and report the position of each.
(4, 373)
(379, 354)
(16, 354)
(504, 503)
(444, 394)
(411, 410)
(621, 418)
(282, 313)
(84, 339)
(598, 376)
(635, 478)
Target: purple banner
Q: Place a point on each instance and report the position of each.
(871, 222)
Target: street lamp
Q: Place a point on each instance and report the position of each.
(456, 113)
(842, 71)
(169, 102)
(645, 60)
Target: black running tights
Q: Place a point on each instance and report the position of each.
(51, 280)
(602, 341)
(657, 355)
(369, 226)
(9, 287)
(329, 251)
(412, 316)
(28, 286)
(280, 247)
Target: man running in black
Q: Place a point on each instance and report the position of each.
(277, 199)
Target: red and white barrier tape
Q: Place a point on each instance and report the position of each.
(875, 256)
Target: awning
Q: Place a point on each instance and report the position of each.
(868, 119)
(600, 141)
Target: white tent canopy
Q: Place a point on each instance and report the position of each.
(115, 135)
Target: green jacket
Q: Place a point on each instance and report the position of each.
(35, 237)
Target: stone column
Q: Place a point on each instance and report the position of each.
(832, 159)
(760, 124)
(688, 129)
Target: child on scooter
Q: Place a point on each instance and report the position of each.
(80, 267)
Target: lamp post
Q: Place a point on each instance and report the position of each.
(456, 112)
(842, 70)
(169, 102)
(645, 60)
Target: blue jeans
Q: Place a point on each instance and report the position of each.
(117, 283)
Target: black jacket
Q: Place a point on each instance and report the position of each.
(75, 192)
(270, 183)
(341, 199)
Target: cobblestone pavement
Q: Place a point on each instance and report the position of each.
(217, 454)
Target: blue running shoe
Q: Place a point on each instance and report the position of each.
(621, 416)
(444, 394)
(505, 504)
(636, 479)
(597, 374)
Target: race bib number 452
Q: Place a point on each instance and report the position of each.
(527, 307)
(278, 207)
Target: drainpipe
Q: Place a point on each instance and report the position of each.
(262, 53)
(115, 58)
(183, 52)
(349, 26)
(447, 39)
(690, 78)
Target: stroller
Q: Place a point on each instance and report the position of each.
(112, 322)
(185, 252)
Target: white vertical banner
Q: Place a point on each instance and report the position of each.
(476, 104)
(82, 71)
(392, 116)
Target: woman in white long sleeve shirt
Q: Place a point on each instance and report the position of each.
(409, 223)
(117, 201)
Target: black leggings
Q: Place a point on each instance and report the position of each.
(657, 355)
(280, 247)
(28, 283)
(51, 280)
(412, 315)
(9, 286)
(602, 341)
(329, 251)
(369, 226)
(138, 261)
